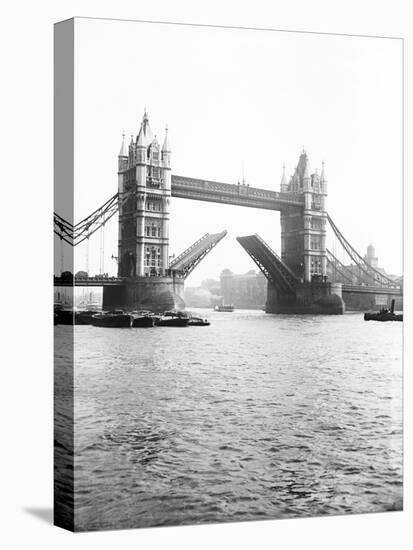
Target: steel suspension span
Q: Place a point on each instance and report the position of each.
(339, 267)
(76, 234)
(373, 274)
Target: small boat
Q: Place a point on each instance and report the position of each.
(198, 322)
(384, 314)
(172, 319)
(224, 308)
(142, 319)
(85, 316)
(117, 318)
(63, 316)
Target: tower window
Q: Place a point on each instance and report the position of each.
(315, 243)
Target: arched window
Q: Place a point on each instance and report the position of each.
(153, 256)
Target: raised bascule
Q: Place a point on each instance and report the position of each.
(306, 278)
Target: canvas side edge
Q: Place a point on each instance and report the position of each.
(63, 256)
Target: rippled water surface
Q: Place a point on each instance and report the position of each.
(257, 416)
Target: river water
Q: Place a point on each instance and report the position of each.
(255, 417)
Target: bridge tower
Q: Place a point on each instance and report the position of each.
(144, 186)
(303, 231)
(144, 169)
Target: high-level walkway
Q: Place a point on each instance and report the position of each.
(229, 193)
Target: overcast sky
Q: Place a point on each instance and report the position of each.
(243, 100)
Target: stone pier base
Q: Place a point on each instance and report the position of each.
(155, 294)
(317, 298)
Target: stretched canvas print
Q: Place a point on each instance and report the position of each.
(228, 274)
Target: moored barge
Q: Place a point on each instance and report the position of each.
(116, 318)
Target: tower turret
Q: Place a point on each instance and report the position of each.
(131, 151)
(323, 180)
(140, 147)
(306, 175)
(166, 150)
(123, 154)
(284, 183)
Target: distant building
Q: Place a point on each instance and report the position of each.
(371, 257)
(206, 295)
(247, 291)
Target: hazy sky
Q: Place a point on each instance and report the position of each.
(239, 100)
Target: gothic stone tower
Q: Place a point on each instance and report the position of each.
(144, 185)
(144, 169)
(303, 247)
(303, 232)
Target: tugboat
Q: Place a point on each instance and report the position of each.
(224, 308)
(116, 318)
(172, 319)
(384, 314)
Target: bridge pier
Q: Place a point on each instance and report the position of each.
(316, 297)
(157, 294)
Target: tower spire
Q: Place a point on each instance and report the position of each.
(166, 147)
(145, 136)
(123, 150)
(140, 140)
(284, 183)
(323, 177)
(166, 150)
(306, 174)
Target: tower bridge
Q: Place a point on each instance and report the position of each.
(305, 278)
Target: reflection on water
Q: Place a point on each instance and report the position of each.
(257, 416)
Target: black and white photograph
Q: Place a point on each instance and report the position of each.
(228, 274)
